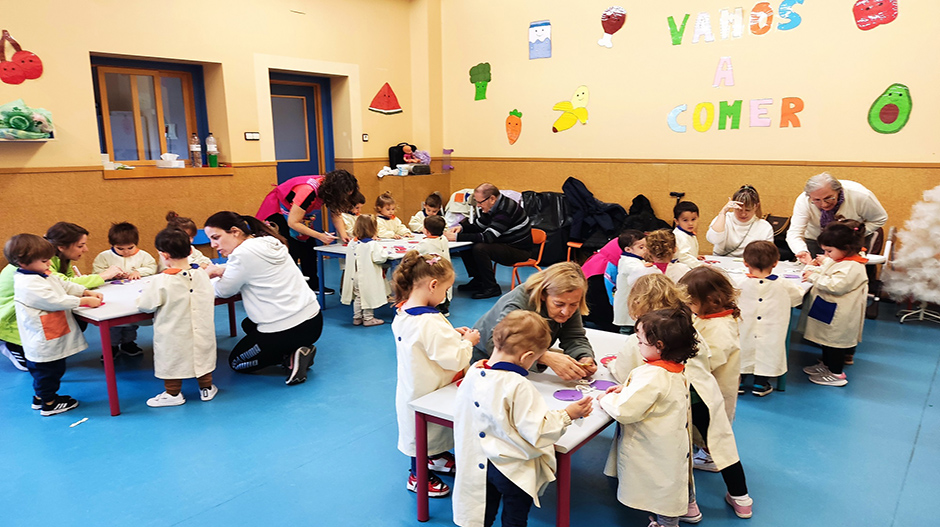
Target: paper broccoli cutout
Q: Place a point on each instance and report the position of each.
(480, 76)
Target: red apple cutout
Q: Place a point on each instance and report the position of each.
(10, 73)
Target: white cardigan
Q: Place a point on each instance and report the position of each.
(845, 284)
(736, 236)
(501, 418)
(141, 262)
(363, 268)
(686, 248)
(431, 355)
(183, 324)
(652, 456)
(44, 307)
(765, 323)
(860, 204)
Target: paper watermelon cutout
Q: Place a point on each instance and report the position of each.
(385, 101)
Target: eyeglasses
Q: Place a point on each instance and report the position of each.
(830, 199)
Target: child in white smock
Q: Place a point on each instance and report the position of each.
(651, 457)
(632, 264)
(766, 301)
(661, 251)
(685, 214)
(390, 227)
(434, 242)
(504, 429)
(363, 285)
(187, 225)
(431, 207)
(431, 354)
(183, 302)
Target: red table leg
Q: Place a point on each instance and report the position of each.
(421, 453)
(563, 514)
(105, 329)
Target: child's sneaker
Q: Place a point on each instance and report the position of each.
(436, 487)
(17, 358)
(694, 515)
(742, 387)
(373, 322)
(443, 463)
(357, 321)
(743, 506)
(207, 394)
(37, 403)
(165, 399)
(62, 403)
(761, 390)
(115, 353)
(816, 369)
(828, 378)
(702, 460)
(654, 523)
(131, 349)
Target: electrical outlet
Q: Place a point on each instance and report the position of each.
(365, 138)
(252, 136)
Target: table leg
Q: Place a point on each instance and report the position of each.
(421, 453)
(232, 330)
(105, 329)
(321, 273)
(563, 514)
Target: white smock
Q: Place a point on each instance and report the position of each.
(765, 305)
(363, 269)
(44, 307)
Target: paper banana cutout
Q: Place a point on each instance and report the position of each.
(572, 111)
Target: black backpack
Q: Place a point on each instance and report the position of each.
(396, 156)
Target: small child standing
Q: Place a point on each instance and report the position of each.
(834, 314)
(183, 302)
(187, 225)
(504, 427)
(135, 263)
(356, 201)
(431, 207)
(389, 226)
(651, 457)
(766, 302)
(44, 304)
(434, 242)
(631, 265)
(431, 354)
(661, 251)
(363, 285)
(686, 216)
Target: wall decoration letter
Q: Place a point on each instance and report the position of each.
(891, 110)
(709, 116)
(759, 113)
(762, 17)
(786, 12)
(789, 107)
(672, 120)
(703, 28)
(733, 111)
(540, 40)
(480, 77)
(724, 73)
(676, 33)
(731, 24)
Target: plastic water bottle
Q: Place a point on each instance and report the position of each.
(212, 151)
(195, 151)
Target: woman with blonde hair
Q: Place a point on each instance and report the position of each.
(557, 294)
(739, 223)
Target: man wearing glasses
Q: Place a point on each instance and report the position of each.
(824, 200)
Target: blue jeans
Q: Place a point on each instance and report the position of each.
(516, 503)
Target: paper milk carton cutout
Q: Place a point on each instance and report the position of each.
(540, 40)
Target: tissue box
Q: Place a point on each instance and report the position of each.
(179, 163)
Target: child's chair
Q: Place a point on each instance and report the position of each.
(538, 238)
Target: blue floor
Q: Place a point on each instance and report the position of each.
(324, 453)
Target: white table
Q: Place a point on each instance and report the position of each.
(119, 308)
(438, 407)
(392, 248)
(737, 272)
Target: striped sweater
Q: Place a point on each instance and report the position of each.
(506, 223)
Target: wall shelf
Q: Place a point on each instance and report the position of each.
(153, 172)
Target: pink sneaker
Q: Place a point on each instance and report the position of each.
(743, 507)
(694, 515)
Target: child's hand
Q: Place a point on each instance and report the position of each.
(90, 301)
(612, 389)
(647, 264)
(480, 364)
(90, 293)
(472, 336)
(133, 275)
(819, 259)
(581, 408)
(701, 258)
(111, 273)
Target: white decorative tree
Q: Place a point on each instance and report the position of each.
(915, 271)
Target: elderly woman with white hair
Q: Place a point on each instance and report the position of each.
(825, 199)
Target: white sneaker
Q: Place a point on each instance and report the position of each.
(19, 362)
(816, 369)
(829, 379)
(165, 399)
(702, 460)
(207, 394)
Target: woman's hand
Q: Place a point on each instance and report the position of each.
(451, 235)
(215, 270)
(564, 366)
(582, 408)
(111, 273)
(731, 205)
(804, 257)
(589, 366)
(325, 237)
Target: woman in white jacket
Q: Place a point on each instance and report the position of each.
(284, 319)
(739, 223)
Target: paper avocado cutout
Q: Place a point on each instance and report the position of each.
(891, 110)
(385, 101)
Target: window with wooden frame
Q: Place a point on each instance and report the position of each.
(143, 113)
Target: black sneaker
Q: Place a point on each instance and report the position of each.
(62, 403)
(16, 357)
(489, 292)
(761, 390)
(37, 403)
(472, 286)
(302, 361)
(131, 349)
(328, 291)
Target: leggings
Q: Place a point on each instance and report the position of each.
(834, 358)
(516, 503)
(734, 474)
(259, 350)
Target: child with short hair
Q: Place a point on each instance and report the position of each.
(389, 226)
(435, 242)
(834, 314)
(363, 284)
(686, 217)
(431, 354)
(431, 207)
(651, 457)
(183, 302)
(766, 301)
(715, 435)
(504, 428)
(49, 332)
(631, 265)
(187, 225)
(661, 252)
(135, 264)
(356, 201)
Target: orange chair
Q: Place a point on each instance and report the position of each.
(573, 245)
(538, 237)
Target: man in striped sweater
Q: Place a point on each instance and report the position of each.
(501, 233)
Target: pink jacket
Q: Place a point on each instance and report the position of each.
(598, 261)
